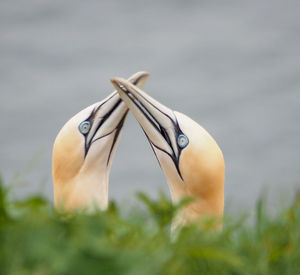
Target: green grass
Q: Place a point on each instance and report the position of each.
(35, 239)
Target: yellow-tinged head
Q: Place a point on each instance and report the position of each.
(83, 152)
(189, 157)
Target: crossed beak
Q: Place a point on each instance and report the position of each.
(109, 115)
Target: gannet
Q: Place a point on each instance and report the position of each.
(83, 152)
(190, 158)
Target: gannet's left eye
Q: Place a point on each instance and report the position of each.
(84, 127)
(182, 141)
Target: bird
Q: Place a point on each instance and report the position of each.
(83, 152)
(188, 155)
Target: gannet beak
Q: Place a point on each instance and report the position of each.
(109, 115)
(158, 121)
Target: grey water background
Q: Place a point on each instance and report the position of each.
(233, 66)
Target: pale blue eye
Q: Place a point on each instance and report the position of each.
(182, 141)
(84, 127)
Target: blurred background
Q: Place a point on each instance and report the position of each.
(233, 66)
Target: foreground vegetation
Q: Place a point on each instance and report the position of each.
(35, 239)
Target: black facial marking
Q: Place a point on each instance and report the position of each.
(91, 119)
(118, 130)
(177, 131)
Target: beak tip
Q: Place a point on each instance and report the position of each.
(116, 80)
(120, 83)
(144, 73)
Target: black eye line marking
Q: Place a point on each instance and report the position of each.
(173, 156)
(120, 125)
(103, 136)
(151, 146)
(98, 108)
(91, 119)
(150, 117)
(159, 128)
(106, 116)
(126, 91)
(117, 133)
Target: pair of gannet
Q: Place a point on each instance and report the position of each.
(189, 157)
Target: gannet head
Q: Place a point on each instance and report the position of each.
(83, 152)
(189, 157)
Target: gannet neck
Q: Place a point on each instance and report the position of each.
(188, 155)
(202, 179)
(86, 192)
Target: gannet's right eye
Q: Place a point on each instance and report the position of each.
(84, 127)
(182, 141)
